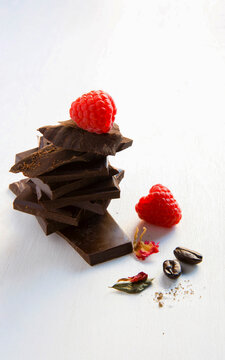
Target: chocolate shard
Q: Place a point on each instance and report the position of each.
(27, 202)
(56, 190)
(119, 176)
(97, 207)
(98, 240)
(104, 190)
(72, 171)
(48, 158)
(48, 226)
(43, 142)
(113, 170)
(24, 154)
(69, 136)
(124, 144)
(76, 171)
(18, 186)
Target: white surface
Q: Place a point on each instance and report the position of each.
(163, 63)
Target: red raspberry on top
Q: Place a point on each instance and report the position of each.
(94, 112)
(159, 207)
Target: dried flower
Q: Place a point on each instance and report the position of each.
(143, 249)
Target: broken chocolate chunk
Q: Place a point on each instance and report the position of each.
(72, 171)
(48, 158)
(27, 202)
(18, 186)
(24, 154)
(56, 190)
(47, 225)
(69, 136)
(104, 190)
(124, 144)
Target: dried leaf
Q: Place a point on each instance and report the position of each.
(133, 287)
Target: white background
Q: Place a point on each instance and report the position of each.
(163, 62)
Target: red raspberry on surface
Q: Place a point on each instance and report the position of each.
(159, 207)
(94, 112)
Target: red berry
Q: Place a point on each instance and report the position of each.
(159, 207)
(94, 112)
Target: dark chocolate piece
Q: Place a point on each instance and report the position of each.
(104, 190)
(27, 202)
(71, 171)
(43, 142)
(24, 154)
(98, 240)
(76, 171)
(69, 136)
(18, 186)
(119, 176)
(48, 226)
(124, 144)
(98, 207)
(56, 190)
(48, 158)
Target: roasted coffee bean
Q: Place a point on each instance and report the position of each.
(187, 256)
(172, 268)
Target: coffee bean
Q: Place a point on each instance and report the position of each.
(172, 268)
(187, 256)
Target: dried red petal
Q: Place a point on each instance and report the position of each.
(141, 276)
(142, 254)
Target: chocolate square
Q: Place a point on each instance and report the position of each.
(98, 240)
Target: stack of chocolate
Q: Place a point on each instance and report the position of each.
(68, 186)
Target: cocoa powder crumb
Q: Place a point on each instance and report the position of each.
(176, 294)
(160, 296)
